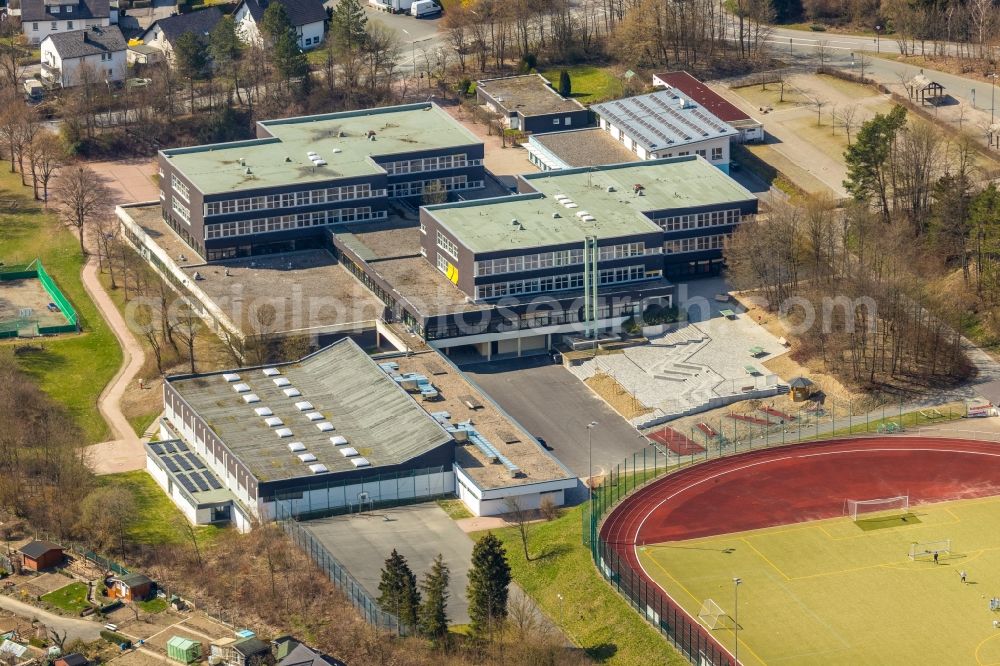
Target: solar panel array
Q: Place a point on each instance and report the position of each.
(186, 467)
(658, 120)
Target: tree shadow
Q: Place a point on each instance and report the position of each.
(602, 651)
(551, 551)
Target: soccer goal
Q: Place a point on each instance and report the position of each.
(712, 615)
(864, 508)
(927, 549)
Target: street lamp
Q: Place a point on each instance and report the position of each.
(878, 33)
(736, 618)
(993, 88)
(413, 51)
(590, 463)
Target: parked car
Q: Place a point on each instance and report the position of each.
(422, 8)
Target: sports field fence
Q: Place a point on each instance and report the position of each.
(35, 270)
(831, 421)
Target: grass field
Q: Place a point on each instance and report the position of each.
(831, 592)
(562, 579)
(160, 521)
(72, 598)
(73, 369)
(589, 84)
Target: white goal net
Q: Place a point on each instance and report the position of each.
(928, 549)
(864, 508)
(712, 614)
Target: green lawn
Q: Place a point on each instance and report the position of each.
(156, 605)
(72, 598)
(589, 84)
(71, 368)
(159, 519)
(455, 508)
(591, 613)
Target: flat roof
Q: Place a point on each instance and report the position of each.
(698, 92)
(584, 147)
(506, 435)
(190, 472)
(342, 385)
(391, 250)
(283, 158)
(530, 94)
(606, 193)
(663, 119)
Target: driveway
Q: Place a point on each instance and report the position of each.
(82, 629)
(553, 404)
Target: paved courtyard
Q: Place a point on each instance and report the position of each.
(692, 368)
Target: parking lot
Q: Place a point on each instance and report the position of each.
(556, 406)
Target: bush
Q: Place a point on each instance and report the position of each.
(115, 638)
(656, 314)
(816, 27)
(631, 326)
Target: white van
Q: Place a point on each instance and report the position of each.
(422, 8)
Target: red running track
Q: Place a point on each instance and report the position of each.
(797, 483)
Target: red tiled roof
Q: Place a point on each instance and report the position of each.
(702, 94)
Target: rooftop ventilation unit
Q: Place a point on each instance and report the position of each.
(318, 468)
(303, 406)
(560, 197)
(348, 451)
(556, 216)
(338, 440)
(283, 432)
(271, 372)
(360, 462)
(281, 382)
(570, 204)
(588, 218)
(231, 377)
(314, 416)
(611, 188)
(312, 154)
(247, 171)
(325, 426)
(263, 411)
(337, 150)
(292, 392)
(319, 162)
(307, 457)
(243, 162)
(241, 388)
(251, 398)
(295, 447)
(273, 421)
(582, 214)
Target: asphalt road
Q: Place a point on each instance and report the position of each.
(83, 629)
(556, 406)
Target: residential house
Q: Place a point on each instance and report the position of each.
(685, 85)
(72, 659)
(164, 33)
(300, 655)
(307, 17)
(130, 587)
(41, 18)
(249, 651)
(529, 103)
(665, 124)
(40, 555)
(67, 56)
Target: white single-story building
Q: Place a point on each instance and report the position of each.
(67, 55)
(665, 124)
(750, 129)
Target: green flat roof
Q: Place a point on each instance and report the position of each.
(679, 182)
(283, 160)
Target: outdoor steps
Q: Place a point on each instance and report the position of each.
(684, 335)
(669, 377)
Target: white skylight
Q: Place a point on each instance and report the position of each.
(271, 372)
(231, 377)
(303, 406)
(307, 457)
(325, 426)
(360, 462)
(273, 422)
(241, 388)
(314, 416)
(348, 451)
(251, 398)
(284, 432)
(263, 411)
(281, 381)
(318, 468)
(295, 447)
(338, 440)
(293, 392)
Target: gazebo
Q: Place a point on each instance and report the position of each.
(927, 91)
(802, 388)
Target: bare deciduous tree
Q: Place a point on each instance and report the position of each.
(82, 198)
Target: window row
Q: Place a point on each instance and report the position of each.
(179, 187)
(262, 225)
(696, 244)
(427, 164)
(182, 211)
(715, 218)
(447, 245)
(532, 262)
(292, 199)
(416, 188)
(562, 282)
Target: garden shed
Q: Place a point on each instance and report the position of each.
(183, 650)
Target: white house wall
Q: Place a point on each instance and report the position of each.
(493, 501)
(36, 31)
(111, 70)
(309, 35)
